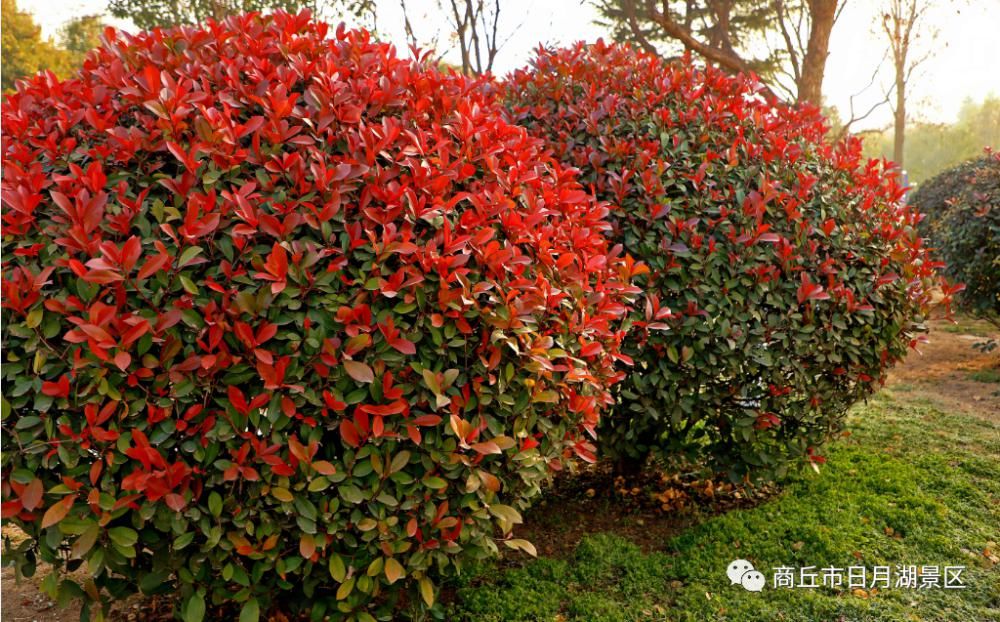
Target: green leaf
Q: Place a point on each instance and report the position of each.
(337, 569)
(215, 504)
(351, 493)
(85, 542)
(251, 611)
(399, 461)
(435, 482)
(189, 253)
(426, 590)
(188, 285)
(430, 379)
(123, 536)
(523, 545)
(345, 589)
(318, 484)
(183, 540)
(508, 516)
(194, 610)
(35, 317)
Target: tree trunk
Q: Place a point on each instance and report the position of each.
(822, 14)
(899, 133)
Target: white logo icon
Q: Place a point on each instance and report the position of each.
(743, 573)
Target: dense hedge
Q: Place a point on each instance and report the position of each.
(786, 275)
(287, 318)
(962, 221)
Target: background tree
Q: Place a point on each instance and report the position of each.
(718, 30)
(24, 51)
(475, 23)
(81, 34)
(900, 23)
(473, 28)
(786, 42)
(933, 147)
(805, 29)
(151, 13)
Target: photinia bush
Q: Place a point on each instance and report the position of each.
(786, 276)
(287, 318)
(962, 222)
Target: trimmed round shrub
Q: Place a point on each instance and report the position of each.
(786, 276)
(962, 221)
(287, 320)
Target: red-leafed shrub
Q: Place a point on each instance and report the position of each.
(786, 275)
(285, 314)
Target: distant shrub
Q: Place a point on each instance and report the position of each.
(286, 318)
(962, 208)
(786, 275)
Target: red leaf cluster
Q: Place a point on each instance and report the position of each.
(776, 257)
(271, 274)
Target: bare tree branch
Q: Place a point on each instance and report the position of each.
(886, 99)
(793, 55)
(633, 24)
(687, 38)
(476, 25)
(407, 25)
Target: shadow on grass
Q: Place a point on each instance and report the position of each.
(911, 486)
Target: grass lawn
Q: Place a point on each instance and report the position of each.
(913, 484)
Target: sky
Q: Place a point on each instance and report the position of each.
(964, 61)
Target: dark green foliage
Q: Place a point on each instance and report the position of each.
(962, 207)
(745, 23)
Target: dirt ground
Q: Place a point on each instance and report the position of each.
(944, 371)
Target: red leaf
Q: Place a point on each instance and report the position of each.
(134, 333)
(130, 253)
(298, 449)
(123, 360)
(427, 420)
(265, 331)
(102, 277)
(56, 512)
(349, 433)
(382, 410)
(307, 546)
(59, 388)
(31, 498)
(403, 345)
(487, 447)
(359, 371)
(175, 501)
(332, 402)
(238, 400)
(153, 265)
(276, 268)
(811, 291)
(324, 468)
(10, 509)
